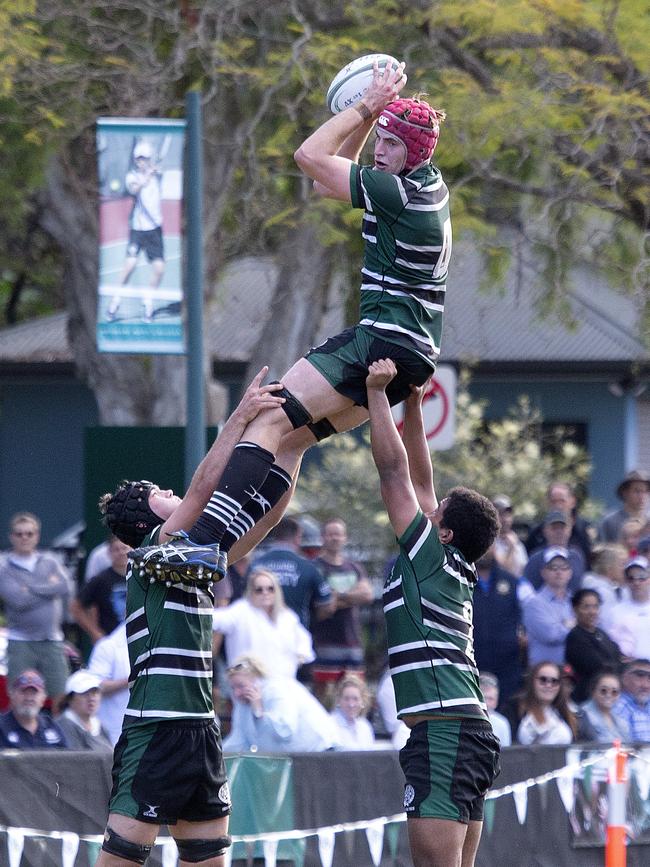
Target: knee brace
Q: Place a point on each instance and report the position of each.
(322, 429)
(295, 411)
(121, 848)
(196, 851)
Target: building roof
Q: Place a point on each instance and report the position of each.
(482, 326)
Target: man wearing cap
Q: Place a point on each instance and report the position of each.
(35, 591)
(634, 491)
(561, 497)
(629, 623)
(557, 532)
(407, 232)
(79, 721)
(634, 703)
(24, 727)
(548, 615)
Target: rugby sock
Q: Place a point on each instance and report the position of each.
(275, 486)
(242, 478)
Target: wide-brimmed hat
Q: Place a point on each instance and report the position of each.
(630, 478)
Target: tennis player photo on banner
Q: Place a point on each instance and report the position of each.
(140, 170)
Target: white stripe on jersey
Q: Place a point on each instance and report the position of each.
(444, 611)
(424, 535)
(457, 575)
(177, 672)
(419, 338)
(134, 615)
(137, 635)
(437, 207)
(176, 651)
(176, 606)
(428, 305)
(450, 702)
(386, 279)
(427, 663)
(168, 714)
(436, 248)
(414, 645)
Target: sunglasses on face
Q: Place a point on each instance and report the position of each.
(547, 681)
(641, 673)
(269, 589)
(24, 534)
(641, 577)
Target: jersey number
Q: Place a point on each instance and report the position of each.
(442, 264)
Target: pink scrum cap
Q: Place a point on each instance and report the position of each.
(416, 124)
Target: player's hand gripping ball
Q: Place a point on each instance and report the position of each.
(350, 84)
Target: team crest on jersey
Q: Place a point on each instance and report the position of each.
(409, 796)
(468, 612)
(224, 794)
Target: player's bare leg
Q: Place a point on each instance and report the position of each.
(470, 846)
(437, 842)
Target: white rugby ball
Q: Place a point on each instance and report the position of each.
(350, 84)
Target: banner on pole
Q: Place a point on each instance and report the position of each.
(140, 294)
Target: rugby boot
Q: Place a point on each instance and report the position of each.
(180, 559)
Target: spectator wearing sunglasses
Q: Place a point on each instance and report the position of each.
(545, 715)
(598, 718)
(35, 592)
(630, 619)
(634, 703)
(261, 623)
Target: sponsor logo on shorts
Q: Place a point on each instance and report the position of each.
(224, 794)
(151, 812)
(409, 797)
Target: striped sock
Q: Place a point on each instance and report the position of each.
(275, 486)
(242, 478)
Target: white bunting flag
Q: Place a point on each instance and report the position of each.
(169, 853)
(520, 794)
(326, 846)
(375, 837)
(270, 852)
(15, 844)
(69, 848)
(565, 788)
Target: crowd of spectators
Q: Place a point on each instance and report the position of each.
(561, 636)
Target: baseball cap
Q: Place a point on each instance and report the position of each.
(27, 679)
(556, 517)
(502, 503)
(641, 562)
(81, 681)
(552, 553)
(143, 149)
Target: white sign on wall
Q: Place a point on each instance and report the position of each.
(438, 409)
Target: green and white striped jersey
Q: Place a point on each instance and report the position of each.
(428, 608)
(407, 234)
(169, 634)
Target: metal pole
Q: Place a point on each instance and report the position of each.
(195, 423)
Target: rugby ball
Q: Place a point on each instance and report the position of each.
(350, 84)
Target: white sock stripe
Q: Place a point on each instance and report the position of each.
(220, 497)
(220, 514)
(284, 475)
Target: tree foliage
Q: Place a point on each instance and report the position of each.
(547, 134)
(510, 456)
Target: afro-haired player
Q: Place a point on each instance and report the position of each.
(452, 754)
(407, 233)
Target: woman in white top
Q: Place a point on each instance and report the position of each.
(546, 718)
(354, 730)
(260, 623)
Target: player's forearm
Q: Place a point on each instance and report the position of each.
(388, 450)
(419, 457)
(354, 143)
(328, 140)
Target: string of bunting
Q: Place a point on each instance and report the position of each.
(374, 828)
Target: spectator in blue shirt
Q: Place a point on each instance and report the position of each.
(548, 615)
(24, 726)
(634, 704)
(557, 532)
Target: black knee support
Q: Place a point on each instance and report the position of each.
(322, 429)
(121, 848)
(296, 412)
(196, 851)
